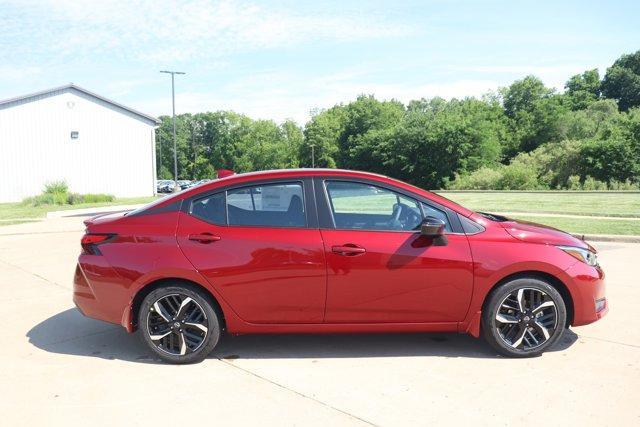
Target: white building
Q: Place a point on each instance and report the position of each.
(67, 133)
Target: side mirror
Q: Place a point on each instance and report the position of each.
(434, 228)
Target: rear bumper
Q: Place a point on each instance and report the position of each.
(88, 280)
(588, 293)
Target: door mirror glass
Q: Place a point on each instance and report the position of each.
(432, 227)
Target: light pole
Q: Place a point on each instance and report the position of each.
(175, 144)
(313, 155)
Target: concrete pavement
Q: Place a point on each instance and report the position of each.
(58, 367)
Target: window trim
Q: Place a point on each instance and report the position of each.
(325, 213)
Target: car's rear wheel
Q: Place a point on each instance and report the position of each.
(179, 323)
(524, 317)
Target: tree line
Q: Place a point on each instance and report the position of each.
(523, 136)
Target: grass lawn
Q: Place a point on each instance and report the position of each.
(586, 226)
(597, 204)
(13, 213)
(606, 204)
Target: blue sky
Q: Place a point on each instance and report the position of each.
(281, 59)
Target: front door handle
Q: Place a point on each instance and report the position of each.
(348, 249)
(204, 237)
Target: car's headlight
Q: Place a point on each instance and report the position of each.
(584, 255)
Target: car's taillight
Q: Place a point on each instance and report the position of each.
(91, 241)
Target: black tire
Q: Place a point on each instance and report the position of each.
(517, 333)
(199, 326)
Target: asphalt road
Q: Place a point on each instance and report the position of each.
(58, 367)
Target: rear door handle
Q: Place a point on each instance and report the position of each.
(348, 249)
(204, 237)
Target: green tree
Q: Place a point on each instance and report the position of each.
(615, 153)
(583, 89)
(164, 133)
(590, 122)
(534, 114)
(438, 139)
(523, 136)
(523, 95)
(366, 119)
(622, 81)
(293, 142)
(323, 132)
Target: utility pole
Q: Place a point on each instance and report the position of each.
(313, 155)
(175, 144)
(159, 163)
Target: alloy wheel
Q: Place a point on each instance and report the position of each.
(526, 318)
(177, 324)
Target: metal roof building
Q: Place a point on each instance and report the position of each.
(71, 134)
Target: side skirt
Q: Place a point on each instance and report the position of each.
(337, 328)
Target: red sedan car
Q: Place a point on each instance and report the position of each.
(328, 251)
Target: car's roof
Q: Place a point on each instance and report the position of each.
(303, 172)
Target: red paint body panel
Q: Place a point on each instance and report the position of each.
(402, 277)
(268, 275)
(497, 254)
(290, 280)
(535, 233)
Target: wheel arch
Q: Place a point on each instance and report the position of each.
(554, 281)
(172, 281)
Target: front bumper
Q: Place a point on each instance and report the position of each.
(588, 293)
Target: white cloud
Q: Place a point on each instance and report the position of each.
(183, 30)
(124, 87)
(16, 73)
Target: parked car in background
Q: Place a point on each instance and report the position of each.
(199, 182)
(164, 186)
(327, 251)
(167, 185)
(184, 184)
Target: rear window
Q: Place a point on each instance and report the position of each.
(153, 204)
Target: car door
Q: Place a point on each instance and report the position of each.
(380, 269)
(260, 246)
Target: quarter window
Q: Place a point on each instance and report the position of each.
(270, 205)
(210, 209)
(361, 206)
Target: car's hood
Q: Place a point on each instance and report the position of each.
(538, 233)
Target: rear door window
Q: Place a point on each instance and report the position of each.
(268, 205)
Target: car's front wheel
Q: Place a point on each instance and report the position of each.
(524, 317)
(179, 323)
